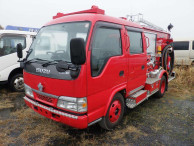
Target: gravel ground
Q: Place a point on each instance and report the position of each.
(165, 121)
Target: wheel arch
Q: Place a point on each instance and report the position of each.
(14, 72)
(164, 73)
(121, 90)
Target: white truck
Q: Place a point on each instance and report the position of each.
(184, 51)
(10, 71)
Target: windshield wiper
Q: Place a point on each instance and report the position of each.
(49, 63)
(34, 60)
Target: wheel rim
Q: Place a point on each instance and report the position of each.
(19, 83)
(163, 87)
(115, 111)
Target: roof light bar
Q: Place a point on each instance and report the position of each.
(94, 9)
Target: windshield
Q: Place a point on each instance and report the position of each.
(53, 42)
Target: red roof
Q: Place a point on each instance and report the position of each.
(94, 14)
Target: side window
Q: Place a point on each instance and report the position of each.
(193, 45)
(106, 43)
(181, 45)
(136, 46)
(8, 44)
(152, 42)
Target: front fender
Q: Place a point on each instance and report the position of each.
(163, 72)
(114, 91)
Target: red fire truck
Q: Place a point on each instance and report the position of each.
(85, 68)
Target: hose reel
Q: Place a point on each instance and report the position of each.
(167, 59)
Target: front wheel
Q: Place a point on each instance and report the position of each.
(17, 83)
(162, 88)
(114, 114)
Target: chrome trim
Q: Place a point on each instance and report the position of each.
(51, 109)
(152, 80)
(136, 104)
(136, 89)
(68, 99)
(153, 92)
(45, 94)
(98, 120)
(138, 93)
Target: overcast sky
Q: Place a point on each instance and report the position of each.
(35, 13)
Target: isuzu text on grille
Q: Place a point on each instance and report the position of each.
(45, 71)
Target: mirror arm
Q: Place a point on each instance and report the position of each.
(20, 60)
(74, 67)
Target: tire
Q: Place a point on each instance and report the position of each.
(114, 114)
(162, 88)
(17, 83)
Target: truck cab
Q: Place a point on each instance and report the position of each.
(85, 67)
(10, 71)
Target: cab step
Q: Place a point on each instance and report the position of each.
(135, 99)
(151, 81)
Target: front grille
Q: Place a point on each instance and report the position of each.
(45, 98)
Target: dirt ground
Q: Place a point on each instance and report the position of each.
(165, 121)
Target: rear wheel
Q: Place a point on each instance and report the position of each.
(17, 83)
(162, 87)
(114, 114)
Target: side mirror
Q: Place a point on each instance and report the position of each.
(19, 50)
(77, 51)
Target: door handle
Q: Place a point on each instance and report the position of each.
(121, 73)
(142, 67)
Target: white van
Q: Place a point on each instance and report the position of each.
(184, 51)
(10, 71)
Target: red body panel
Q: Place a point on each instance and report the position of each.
(141, 97)
(152, 87)
(58, 87)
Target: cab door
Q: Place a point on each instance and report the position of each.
(137, 59)
(106, 66)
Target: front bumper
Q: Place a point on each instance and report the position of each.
(75, 121)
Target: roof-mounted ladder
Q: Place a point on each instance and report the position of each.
(144, 23)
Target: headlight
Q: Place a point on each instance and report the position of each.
(73, 104)
(28, 91)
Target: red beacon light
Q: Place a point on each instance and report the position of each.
(94, 9)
